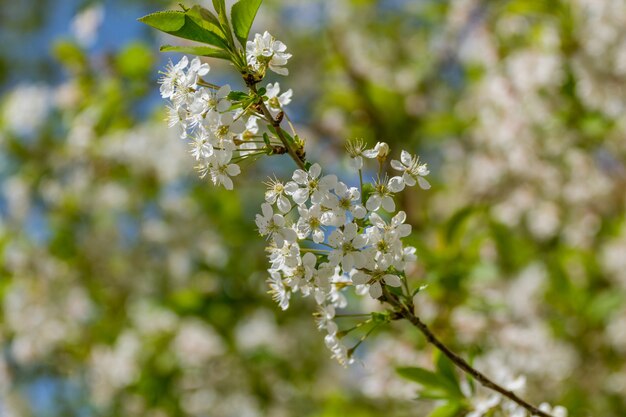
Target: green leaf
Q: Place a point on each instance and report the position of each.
(135, 60)
(242, 16)
(70, 55)
(456, 222)
(429, 379)
(199, 12)
(181, 25)
(432, 394)
(237, 96)
(166, 21)
(220, 8)
(445, 368)
(446, 410)
(205, 19)
(197, 50)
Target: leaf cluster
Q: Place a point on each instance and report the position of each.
(222, 37)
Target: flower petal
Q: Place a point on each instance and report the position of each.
(376, 291)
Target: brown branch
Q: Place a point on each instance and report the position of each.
(276, 125)
(407, 313)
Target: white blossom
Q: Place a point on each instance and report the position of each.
(221, 169)
(384, 190)
(310, 223)
(279, 292)
(347, 244)
(413, 170)
(276, 101)
(267, 52)
(344, 200)
(276, 194)
(274, 225)
(309, 184)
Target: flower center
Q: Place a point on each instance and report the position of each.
(223, 130)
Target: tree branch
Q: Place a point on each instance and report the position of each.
(407, 313)
(279, 131)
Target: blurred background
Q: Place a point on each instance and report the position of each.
(121, 275)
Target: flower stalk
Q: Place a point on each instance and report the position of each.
(404, 311)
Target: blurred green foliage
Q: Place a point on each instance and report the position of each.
(130, 287)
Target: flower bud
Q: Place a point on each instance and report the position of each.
(383, 149)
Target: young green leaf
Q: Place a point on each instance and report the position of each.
(237, 96)
(446, 410)
(220, 8)
(197, 50)
(431, 380)
(178, 24)
(242, 16)
(207, 20)
(445, 369)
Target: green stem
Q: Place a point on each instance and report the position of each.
(406, 312)
(279, 132)
(361, 184)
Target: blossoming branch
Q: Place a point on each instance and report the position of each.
(325, 237)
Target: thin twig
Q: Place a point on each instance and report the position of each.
(407, 313)
(279, 132)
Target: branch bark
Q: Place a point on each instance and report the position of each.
(279, 131)
(407, 313)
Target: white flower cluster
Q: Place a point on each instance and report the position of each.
(333, 240)
(266, 52)
(220, 133)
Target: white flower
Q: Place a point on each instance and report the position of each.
(198, 106)
(225, 126)
(342, 202)
(374, 279)
(189, 83)
(221, 169)
(310, 223)
(201, 147)
(324, 318)
(252, 128)
(197, 69)
(279, 291)
(173, 76)
(383, 194)
(177, 115)
(412, 170)
(381, 150)
(347, 244)
(275, 101)
(340, 352)
(356, 149)
(322, 278)
(335, 296)
(556, 411)
(307, 184)
(218, 100)
(273, 225)
(265, 51)
(284, 258)
(386, 238)
(305, 270)
(408, 256)
(276, 194)
(396, 226)
(179, 86)
(482, 405)
(247, 145)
